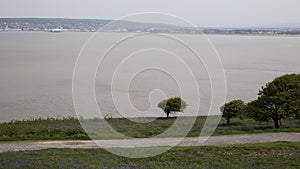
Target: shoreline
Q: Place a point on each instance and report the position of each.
(176, 33)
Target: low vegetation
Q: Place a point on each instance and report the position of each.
(42, 129)
(70, 128)
(267, 155)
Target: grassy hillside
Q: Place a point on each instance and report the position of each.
(70, 128)
(268, 155)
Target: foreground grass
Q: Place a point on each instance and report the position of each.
(268, 155)
(70, 128)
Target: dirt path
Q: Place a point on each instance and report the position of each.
(151, 142)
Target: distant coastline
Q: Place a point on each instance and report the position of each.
(56, 25)
(207, 34)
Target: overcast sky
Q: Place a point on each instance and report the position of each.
(230, 13)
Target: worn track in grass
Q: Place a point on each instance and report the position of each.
(151, 142)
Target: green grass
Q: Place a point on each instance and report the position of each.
(267, 155)
(70, 128)
(42, 129)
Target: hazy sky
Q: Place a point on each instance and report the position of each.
(199, 12)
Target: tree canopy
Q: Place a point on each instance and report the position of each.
(171, 105)
(233, 109)
(277, 100)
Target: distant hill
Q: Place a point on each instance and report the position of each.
(92, 25)
(86, 25)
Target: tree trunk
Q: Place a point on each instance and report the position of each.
(276, 123)
(228, 121)
(280, 123)
(168, 113)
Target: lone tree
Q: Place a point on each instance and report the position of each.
(172, 105)
(277, 100)
(233, 109)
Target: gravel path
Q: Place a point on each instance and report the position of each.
(151, 142)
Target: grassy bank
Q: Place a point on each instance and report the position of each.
(268, 155)
(70, 128)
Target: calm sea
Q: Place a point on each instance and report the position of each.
(36, 70)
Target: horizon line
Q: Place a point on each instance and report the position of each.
(273, 26)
